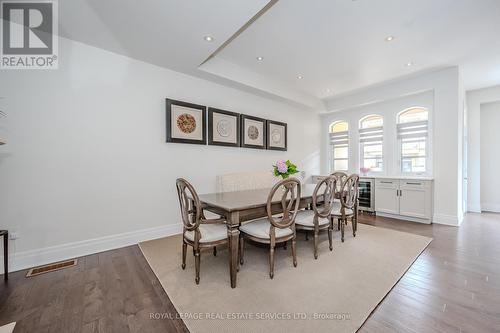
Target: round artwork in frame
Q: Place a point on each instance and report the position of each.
(186, 123)
(224, 128)
(253, 132)
(276, 136)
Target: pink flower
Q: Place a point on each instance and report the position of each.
(282, 167)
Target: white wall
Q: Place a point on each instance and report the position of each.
(475, 99)
(389, 110)
(490, 159)
(86, 166)
(447, 122)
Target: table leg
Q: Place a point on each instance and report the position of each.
(6, 256)
(233, 235)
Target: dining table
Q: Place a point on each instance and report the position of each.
(239, 207)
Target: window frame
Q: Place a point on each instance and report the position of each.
(363, 144)
(332, 146)
(428, 145)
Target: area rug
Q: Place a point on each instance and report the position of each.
(9, 328)
(335, 293)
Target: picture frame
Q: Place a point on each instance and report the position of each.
(223, 128)
(253, 132)
(185, 122)
(277, 136)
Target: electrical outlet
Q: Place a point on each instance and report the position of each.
(13, 235)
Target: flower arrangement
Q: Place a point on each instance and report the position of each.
(284, 169)
(364, 171)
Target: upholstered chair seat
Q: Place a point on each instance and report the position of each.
(260, 228)
(337, 207)
(209, 233)
(319, 218)
(306, 219)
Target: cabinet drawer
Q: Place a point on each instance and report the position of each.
(392, 183)
(415, 184)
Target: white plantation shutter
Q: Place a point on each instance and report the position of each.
(412, 130)
(372, 134)
(339, 138)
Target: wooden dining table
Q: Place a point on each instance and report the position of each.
(240, 206)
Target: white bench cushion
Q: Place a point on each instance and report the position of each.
(306, 218)
(209, 233)
(336, 210)
(260, 229)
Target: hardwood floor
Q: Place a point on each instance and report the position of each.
(454, 286)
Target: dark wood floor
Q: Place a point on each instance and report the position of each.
(454, 286)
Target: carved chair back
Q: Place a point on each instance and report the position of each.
(325, 190)
(288, 191)
(341, 178)
(191, 211)
(349, 193)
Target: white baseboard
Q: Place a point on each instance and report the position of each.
(447, 219)
(474, 207)
(405, 218)
(27, 259)
(490, 207)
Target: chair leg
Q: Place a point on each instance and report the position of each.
(316, 244)
(184, 251)
(294, 252)
(354, 226)
(215, 251)
(242, 249)
(330, 237)
(342, 228)
(197, 258)
(338, 224)
(271, 261)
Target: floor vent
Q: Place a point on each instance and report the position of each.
(51, 267)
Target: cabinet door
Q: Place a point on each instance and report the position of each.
(415, 199)
(386, 196)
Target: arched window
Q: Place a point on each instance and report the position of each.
(413, 128)
(339, 142)
(371, 136)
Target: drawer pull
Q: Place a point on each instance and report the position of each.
(385, 182)
(413, 183)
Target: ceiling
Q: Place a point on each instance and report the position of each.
(336, 46)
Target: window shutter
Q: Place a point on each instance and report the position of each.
(339, 138)
(411, 130)
(371, 135)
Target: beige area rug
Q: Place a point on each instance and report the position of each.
(9, 328)
(335, 293)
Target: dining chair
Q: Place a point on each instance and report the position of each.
(319, 218)
(341, 178)
(348, 205)
(284, 199)
(198, 231)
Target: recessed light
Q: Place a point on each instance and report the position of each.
(300, 77)
(389, 38)
(409, 64)
(260, 58)
(208, 38)
(328, 90)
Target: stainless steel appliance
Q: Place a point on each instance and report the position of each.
(367, 194)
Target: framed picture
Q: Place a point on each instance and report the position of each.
(223, 128)
(186, 122)
(253, 132)
(276, 135)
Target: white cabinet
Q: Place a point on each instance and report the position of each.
(386, 199)
(404, 198)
